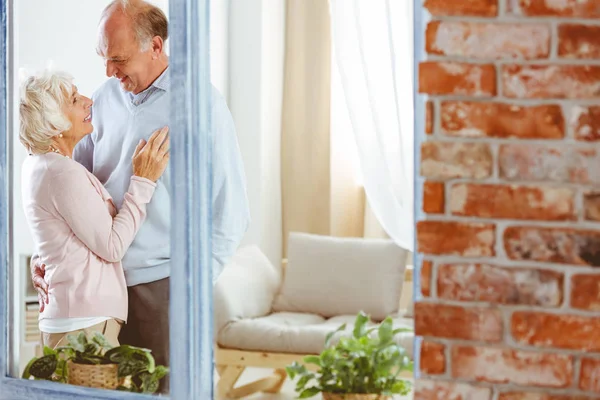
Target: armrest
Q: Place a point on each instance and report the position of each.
(246, 287)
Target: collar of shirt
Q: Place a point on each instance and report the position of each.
(161, 83)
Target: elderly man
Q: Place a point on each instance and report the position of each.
(129, 107)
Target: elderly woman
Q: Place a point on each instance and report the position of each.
(77, 231)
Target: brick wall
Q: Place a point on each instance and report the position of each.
(510, 237)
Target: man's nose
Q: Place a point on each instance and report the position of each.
(110, 69)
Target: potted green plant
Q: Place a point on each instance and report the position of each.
(95, 363)
(359, 367)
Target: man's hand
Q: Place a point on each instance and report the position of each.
(38, 271)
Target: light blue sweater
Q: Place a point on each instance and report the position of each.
(120, 120)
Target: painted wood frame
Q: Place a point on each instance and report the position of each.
(419, 103)
(191, 343)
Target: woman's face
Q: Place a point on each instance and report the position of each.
(78, 110)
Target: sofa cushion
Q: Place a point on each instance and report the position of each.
(298, 333)
(332, 276)
(246, 287)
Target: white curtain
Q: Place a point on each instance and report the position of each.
(372, 44)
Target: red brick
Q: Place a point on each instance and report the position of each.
(561, 8)
(429, 117)
(471, 119)
(585, 292)
(477, 8)
(445, 78)
(557, 245)
(502, 365)
(426, 274)
(488, 283)
(510, 201)
(585, 123)
(488, 40)
(562, 163)
(454, 322)
(579, 41)
(589, 376)
(591, 206)
(433, 358)
(456, 238)
(539, 396)
(442, 390)
(551, 81)
(446, 160)
(433, 197)
(554, 330)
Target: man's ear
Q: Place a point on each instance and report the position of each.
(157, 47)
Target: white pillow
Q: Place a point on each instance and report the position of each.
(333, 276)
(246, 287)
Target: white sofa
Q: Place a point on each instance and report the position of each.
(271, 315)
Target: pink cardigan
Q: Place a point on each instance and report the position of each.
(79, 235)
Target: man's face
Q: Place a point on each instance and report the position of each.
(122, 54)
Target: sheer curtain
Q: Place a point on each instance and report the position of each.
(372, 44)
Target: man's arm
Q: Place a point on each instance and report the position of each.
(231, 211)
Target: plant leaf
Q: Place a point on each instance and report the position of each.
(315, 360)
(399, 330)
(160, 371)
(401, 387)
(360, 325)
(101, 341)
(91, 348)
(77, 342)
(44, 367)
(330, 335)
(26, 373)
(386, 331)
(118, 354)
(310, 392)
(49, 352)
(126, 368)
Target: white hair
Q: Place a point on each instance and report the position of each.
(41, 114)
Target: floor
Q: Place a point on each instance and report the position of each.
(287, 393)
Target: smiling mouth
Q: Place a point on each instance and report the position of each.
(88, 118)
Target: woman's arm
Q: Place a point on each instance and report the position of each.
(84, 210)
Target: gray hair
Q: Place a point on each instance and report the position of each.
(41, 109)
(147, 20)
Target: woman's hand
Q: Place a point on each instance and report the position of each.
(151, 159)
(38, 270)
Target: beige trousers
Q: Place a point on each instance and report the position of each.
(110, 329)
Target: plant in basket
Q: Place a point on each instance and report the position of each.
(95, 363)
(362, 366)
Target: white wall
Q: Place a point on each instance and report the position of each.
(256, 59)
(219, 46)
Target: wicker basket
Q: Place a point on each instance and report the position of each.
(94, 376)
(357, 396)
